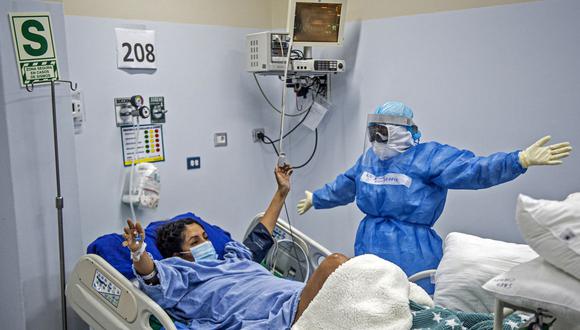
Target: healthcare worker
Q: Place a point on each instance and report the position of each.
(401, 185)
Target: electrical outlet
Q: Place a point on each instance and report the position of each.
(255, 133)
(193, 163)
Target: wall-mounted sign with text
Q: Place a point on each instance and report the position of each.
(34, 47)
(136, 49)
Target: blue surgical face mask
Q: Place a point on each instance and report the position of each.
(203, 251)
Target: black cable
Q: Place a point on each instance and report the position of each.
(295, 127)
(270, 103)
(313, 151)
(300, 110)
(263, 136)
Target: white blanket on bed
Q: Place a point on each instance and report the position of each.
(366, 292)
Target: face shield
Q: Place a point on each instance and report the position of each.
(387, 136)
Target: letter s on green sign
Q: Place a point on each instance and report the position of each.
(29, 35)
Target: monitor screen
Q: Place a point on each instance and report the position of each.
(317, 22)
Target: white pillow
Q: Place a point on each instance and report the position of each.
(470, 261)
(552, 229)
(538, 284)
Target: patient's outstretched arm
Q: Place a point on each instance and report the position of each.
(134, 239)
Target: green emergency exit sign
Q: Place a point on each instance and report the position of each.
(34, 47)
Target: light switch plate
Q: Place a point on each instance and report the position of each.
(220, 139)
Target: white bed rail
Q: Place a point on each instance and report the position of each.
(421, 275)
(105, 299)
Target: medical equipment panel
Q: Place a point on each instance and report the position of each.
(318, 66)
(267, 51)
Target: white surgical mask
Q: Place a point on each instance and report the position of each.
(400, 139)
(203, 251)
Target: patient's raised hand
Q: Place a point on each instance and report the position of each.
(134, 235)
(283, 177)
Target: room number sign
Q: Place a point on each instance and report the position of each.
(136, 49)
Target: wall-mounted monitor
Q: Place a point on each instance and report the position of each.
(316, 22)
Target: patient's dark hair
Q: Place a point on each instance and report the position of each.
(170, 236)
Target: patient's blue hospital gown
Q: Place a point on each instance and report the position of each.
(234, 293)
(404, 196)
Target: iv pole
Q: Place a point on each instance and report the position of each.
(59, 199)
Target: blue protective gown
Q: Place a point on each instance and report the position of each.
(234, 293)
(404, 196)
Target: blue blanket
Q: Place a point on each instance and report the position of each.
(110, 247)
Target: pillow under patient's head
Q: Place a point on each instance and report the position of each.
(215, 234)
(111, 249)
(552, 229)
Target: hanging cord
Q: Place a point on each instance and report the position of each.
(136, 134)
(284, 92)
(262, 136)
(297, 125)
(270, 103)
(294, 246)
(313, 151)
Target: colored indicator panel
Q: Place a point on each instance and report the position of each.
(141, 145)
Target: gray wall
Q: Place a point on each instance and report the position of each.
(30, 276)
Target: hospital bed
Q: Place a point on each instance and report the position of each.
(105, 299)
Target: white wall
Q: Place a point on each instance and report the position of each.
(30, 276)
(485, 79)
(490, 79)
(206, 90)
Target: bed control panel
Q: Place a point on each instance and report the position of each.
(106, 288)
(96, 280)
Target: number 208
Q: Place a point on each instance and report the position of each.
(140, 53)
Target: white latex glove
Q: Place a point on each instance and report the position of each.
(305, 204)
(538, 154)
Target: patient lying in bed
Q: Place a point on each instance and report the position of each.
(210, 282)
